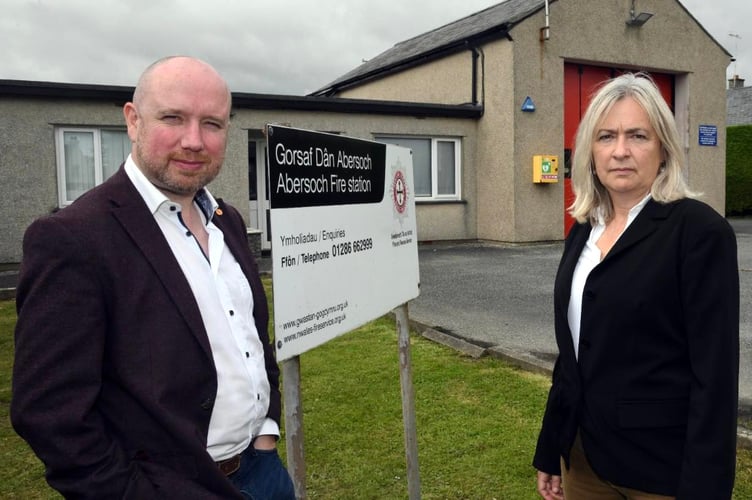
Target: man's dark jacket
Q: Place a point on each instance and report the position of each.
(114, 381)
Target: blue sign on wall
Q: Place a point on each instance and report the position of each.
(528, 106)
(708, 135)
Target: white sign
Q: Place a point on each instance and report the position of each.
(344, 241)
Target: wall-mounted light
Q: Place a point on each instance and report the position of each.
(637, 20)
(545, 32)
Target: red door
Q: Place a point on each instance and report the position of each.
(580, 82)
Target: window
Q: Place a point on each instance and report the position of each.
(86, 157)
(436, 165)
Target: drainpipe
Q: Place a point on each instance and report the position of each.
(475, 77)
(478, 54)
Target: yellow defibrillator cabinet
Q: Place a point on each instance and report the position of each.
(545, 168)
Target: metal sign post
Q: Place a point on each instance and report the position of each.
(294, 425)
(408, 402)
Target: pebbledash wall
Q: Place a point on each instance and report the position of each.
(469, 86)
(28, 162)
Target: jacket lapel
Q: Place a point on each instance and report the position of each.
(577, 239)
(574, 244)
(131, 212)
(646, 222)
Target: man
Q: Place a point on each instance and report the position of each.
(143, 365)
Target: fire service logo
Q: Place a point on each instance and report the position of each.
(399, 193)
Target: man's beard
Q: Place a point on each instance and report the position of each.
(173, 182)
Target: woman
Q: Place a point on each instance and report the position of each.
(646, 300)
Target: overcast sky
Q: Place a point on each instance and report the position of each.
(278, 47)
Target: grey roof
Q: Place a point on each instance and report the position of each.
(739, 106)
(493, 22)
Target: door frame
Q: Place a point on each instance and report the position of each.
(258, 203)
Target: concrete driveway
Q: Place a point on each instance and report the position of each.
(500, 298)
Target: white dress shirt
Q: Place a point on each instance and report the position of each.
(225, 301)
(589, 258)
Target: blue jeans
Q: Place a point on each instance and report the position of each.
(262, 476)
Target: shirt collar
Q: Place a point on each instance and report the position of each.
(633, 212)
(154, 198)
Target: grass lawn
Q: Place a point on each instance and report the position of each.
(477, 422)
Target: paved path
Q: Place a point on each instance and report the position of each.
(503, 296)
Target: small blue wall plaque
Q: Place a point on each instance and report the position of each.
(708, 135)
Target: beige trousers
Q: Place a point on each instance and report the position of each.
(581, 483)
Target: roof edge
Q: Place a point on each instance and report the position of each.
(703, 29)
(31, 88)
(355, 106)
(244, 100)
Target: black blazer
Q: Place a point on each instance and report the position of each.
(114, 381)
(654, 393)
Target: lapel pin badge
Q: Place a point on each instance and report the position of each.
(218, 211)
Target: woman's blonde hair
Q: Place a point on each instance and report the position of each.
(591, 197)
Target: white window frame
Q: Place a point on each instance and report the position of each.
(435, 196)
(60, 154)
